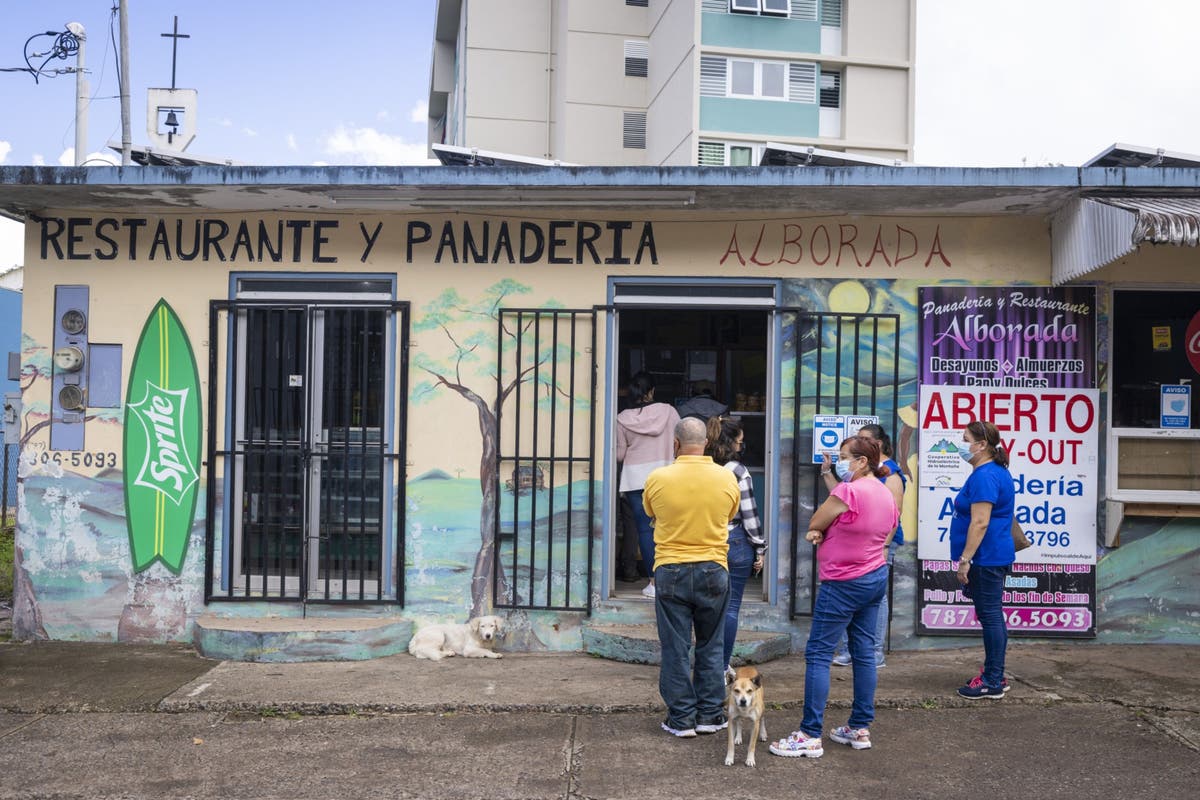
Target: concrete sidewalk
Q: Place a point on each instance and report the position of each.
(1082, 720)
(49, 677)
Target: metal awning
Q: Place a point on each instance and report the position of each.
(1092, 232)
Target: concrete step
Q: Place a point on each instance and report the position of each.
(292, 639)
(638, 644)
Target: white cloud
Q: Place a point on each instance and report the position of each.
(39, 160)
(225, 122)
(12, 243)
(250, 131)
(369, 146)
(420, 112)
(97, 159)
(383, 115)
(5, 149)
(291, 143)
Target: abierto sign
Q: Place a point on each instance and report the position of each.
(1051, 439)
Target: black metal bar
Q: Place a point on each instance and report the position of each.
(210, 469)
(875, 362)
(553, 432)
(520, 337)
(499, 455)
(401, 448)
(857, 359)
(536, 369)
(591, 471)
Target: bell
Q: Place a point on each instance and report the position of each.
(172, 120)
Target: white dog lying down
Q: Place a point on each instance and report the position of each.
(473, 640)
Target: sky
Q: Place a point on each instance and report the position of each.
(1015, 83)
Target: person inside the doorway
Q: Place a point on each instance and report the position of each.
(703, 404)
(747, 548)
(692, 502)
(896, 482)
(849, 530)
(644, 443)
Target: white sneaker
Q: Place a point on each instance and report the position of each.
(648, 591)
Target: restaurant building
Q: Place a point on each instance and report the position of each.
(387, 396)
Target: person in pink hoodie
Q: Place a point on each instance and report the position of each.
(645, 442)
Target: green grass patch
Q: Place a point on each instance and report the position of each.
(6, 561)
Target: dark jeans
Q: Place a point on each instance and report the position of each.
(986, 587)
(741, 561)
(691, 598)
(644, 528)
(851, 607)
(627, 559)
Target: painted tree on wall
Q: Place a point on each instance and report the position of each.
(471, 329)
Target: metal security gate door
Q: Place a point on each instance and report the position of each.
(545, 420)
(306, 443)
(841, 364)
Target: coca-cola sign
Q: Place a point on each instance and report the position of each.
(1193, 342)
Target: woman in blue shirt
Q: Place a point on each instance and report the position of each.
(982, 544)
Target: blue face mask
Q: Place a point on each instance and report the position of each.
(842, 468)
(966, 453)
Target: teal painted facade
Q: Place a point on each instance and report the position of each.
(749, 32)
(762, 117)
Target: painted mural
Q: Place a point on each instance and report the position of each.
(75, 576)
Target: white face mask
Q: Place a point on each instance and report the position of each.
(842, 468)
(966, 454)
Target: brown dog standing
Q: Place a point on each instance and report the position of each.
(745, 701)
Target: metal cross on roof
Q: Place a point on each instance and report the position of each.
(175, 37)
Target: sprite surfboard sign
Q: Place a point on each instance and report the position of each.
(162, 443)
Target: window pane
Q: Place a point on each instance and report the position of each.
(741, 77)
(831, 90)
(1150, 348)
(741, 156)
(773, 80)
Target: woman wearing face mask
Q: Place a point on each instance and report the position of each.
(726, 441)
(896, 483)
(849, 529)
(981, 542)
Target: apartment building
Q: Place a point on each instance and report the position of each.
(673, 82)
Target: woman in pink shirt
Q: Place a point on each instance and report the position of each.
(851, 529)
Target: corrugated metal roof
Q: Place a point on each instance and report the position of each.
(1085, 235)
(1089, 233)
(1162, 220)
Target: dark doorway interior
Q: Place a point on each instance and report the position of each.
(688, 352)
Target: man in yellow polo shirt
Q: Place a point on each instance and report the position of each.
(691, 502)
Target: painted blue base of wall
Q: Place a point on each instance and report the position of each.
(276, 639)
(638, 644)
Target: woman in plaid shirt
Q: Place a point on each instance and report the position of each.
(747, 546)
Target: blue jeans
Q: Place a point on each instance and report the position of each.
(850, 607)
(986, 588)
(645, 530)
(881, 628)
(741, 561)
(691, 597)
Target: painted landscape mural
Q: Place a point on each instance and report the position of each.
(75, 576)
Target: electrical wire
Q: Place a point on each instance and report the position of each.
(66, 45)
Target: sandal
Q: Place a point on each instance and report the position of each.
(798, 744)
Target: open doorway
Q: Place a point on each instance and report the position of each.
(690, 353)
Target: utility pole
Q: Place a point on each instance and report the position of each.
(126, 135)
(81, 95)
